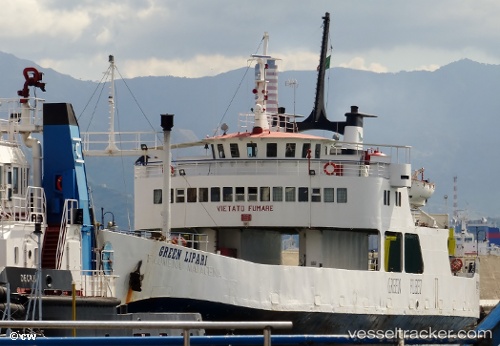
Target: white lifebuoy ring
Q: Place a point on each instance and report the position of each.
(328, 170)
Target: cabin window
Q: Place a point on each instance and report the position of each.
(16, 255)
(171, 200)
(398, 198)
(272, 150)
(413, 254)
(290, 194)
(227, 194)
(277, 194)
(387, 197)
(316, 195)
(220, 150)
(252, 194)
(290, 150)
(203, 194)
(265, 194)
(341, 195)
(252, 149)
(303, 194)
(15, 180)
(392, 261)
(191, 194)
(179, 196)
(9, 181)
(305, 148)
(215, 194)
(157, 193)
(239, 194)
(317, 151)
(234, 149)
(329, 193)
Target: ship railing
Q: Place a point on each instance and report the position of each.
(277, 122)
(16, 117)
(120, 143)
(96, 283)
(343, 168)
(31, 207)
(70, 205)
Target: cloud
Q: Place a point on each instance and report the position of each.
(359, 63)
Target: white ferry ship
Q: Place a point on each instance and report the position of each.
(368, 259)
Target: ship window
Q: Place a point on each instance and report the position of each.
(235, 151)
(277, 194)
(303, 194)
(341, 195)
(305, 148)
(239, 195)
(272, 150)
(413, 254)
(179, 196)
(220, 150)
(290, 150)
(252, 149)
(252, 194)
(157, 196)
(15, 180)
(16, 255)
(215, 194)
(191, 194)
(171, 200)
(329, 194)
(316, 195)
(290, 194)
(317, 151)
(203, 194)
(265, 194)
(392, 262)
(227, 194)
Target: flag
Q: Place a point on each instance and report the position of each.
(327, 62)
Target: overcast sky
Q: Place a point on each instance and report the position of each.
(193, 38)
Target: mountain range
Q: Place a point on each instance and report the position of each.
(449, 116)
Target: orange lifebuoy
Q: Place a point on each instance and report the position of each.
(456, 264)
(59, 183)
(172, 170)
(328, 170)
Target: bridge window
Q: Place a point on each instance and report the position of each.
(179, 196)
(227, 194)
(329, 193)
(240, 194)
(15, 180)
(252, 194)
(277, 194)
(303, 194)
(252, 149)
(305, 148)
(317, 151)
(290, 194)
(272, 150)
(157, 193)
(392, 261)
(215, 194)
(203, 194)
(290, 150)
(234, 149)
(316, 195)
(220, 150)
(413, 254)
(341, 195)
(265, 194)
(398, 198)
(191, 194)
